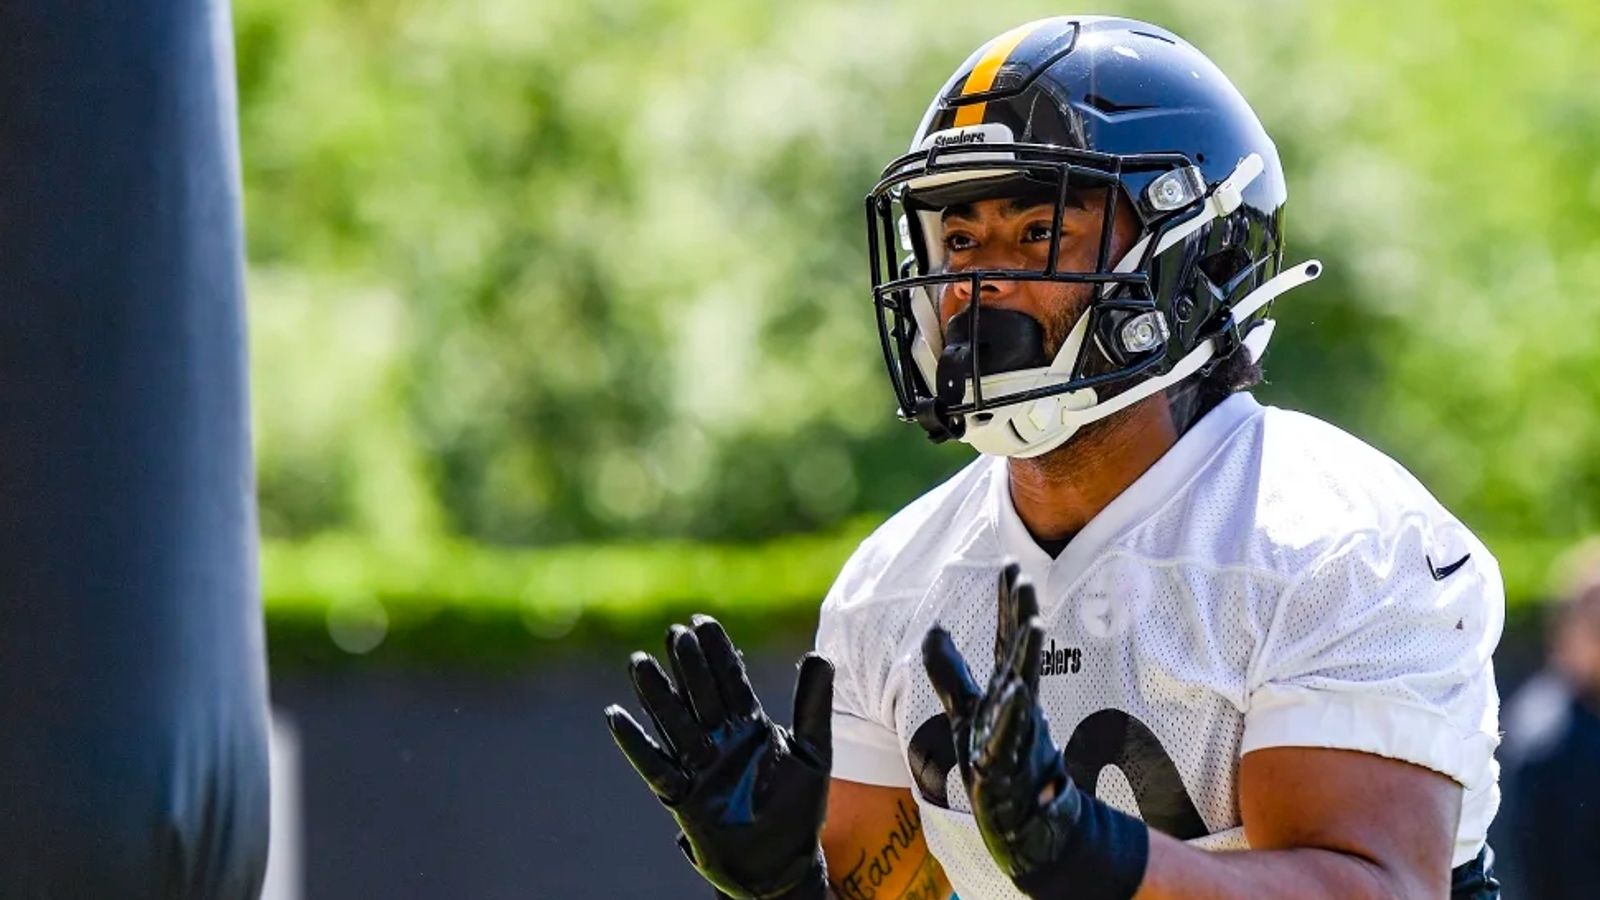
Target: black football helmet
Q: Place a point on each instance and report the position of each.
(1061, 106)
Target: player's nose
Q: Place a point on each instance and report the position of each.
(992, 292)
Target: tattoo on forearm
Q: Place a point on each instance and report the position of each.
(925, 882)
(865, 880)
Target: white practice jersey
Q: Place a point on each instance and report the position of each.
(1271, 581)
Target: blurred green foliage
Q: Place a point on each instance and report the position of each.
(465, 603)
(337, 598)
(531, 274)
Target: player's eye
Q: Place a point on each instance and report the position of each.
(955, 241)
(1037, 231)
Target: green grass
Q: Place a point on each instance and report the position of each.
(337, 600)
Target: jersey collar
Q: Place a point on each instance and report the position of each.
(1136, 504)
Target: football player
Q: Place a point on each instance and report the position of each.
(1154, 619)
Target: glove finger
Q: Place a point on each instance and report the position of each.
(1006, 613)
(958, 692)
(654, 765)
(1026, 600)
(952, 681)
(1001, 755)
(673, 721)
(1018, 695)
(694, 677)
(733, 683)
(999, 734)
(813, 707)
(948, 671)
(1029, 656)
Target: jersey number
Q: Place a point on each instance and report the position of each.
(1109, 737)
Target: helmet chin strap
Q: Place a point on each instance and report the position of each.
(1052, 421)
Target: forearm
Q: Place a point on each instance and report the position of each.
(925, 881)
(1177, 870)
(875, 847)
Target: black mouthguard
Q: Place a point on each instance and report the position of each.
(1007, 342)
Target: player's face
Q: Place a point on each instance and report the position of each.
(1014, 233)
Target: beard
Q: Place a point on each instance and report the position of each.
(1061, 316)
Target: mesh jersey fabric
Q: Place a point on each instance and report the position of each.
(1270, 581)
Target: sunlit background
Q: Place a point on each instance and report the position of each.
(560, 331)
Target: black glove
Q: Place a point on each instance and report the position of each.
(748, 794)
(1052, 839)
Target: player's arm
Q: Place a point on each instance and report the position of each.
(1322, 823)
(874, 845)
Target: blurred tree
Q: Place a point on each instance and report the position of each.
(534, 273)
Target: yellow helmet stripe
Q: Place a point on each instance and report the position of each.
(982, 76)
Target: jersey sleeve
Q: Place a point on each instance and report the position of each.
(851, 633)
(1383, 646)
